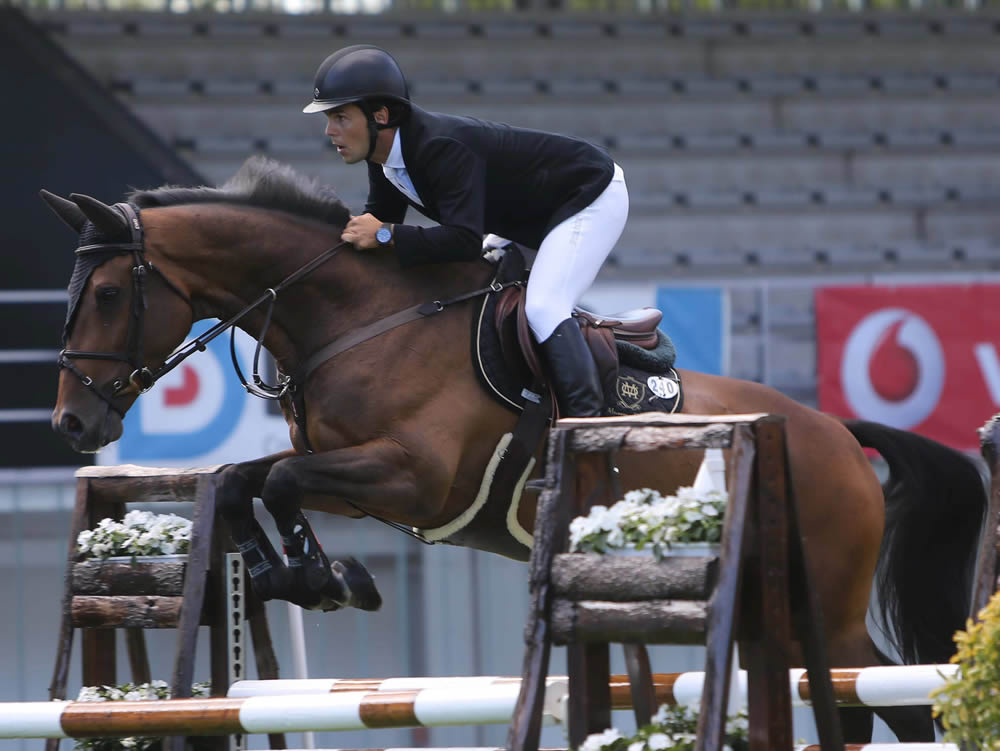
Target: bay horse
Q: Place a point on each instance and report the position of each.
(399, 427)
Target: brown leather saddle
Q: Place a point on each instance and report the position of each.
(520, 350)
(627, 347)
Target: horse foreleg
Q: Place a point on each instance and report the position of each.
(381, 478)
(314, 583)
(237, 486)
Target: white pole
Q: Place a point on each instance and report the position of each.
(296, 630)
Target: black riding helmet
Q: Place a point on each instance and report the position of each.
(365, 75)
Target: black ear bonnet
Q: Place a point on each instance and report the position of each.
(84, 267)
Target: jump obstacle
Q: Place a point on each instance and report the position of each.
(331, 704)
(889, 686)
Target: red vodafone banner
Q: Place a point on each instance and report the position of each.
(922, 358)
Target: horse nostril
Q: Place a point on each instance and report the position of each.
(70, 425)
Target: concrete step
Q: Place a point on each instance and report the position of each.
(608, 44)
(250, 115)
(656, 186)
(748, 235)
(664, 84)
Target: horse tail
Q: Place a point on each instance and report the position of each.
(935, 507)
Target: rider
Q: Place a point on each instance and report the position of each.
(555, 193)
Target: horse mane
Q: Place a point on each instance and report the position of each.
(259, 182)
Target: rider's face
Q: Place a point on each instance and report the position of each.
(347, 128)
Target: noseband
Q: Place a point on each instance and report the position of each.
(141, 378)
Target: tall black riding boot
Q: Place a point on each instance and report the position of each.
(573, 372)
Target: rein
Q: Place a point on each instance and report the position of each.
(198, 344)
(142, 379)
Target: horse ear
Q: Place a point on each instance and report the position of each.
(105, 218)
(68, 211)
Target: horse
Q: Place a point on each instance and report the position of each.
(396, 425)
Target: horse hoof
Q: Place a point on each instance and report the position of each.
(358, 583)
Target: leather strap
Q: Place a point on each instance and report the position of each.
(354, 337)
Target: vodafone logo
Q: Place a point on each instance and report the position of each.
(892, 370)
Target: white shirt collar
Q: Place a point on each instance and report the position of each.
(395, 158)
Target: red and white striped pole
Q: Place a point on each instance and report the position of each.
(890, 686)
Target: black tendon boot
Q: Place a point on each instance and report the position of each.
(318, 585)
(268, 574)
(315, 585)
(573, 372)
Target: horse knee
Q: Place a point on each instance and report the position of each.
(232, 497)
(281, 490)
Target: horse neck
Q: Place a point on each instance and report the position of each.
(226, 256)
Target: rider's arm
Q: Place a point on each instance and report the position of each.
(456, 182)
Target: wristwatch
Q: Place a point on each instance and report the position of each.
(383, 235)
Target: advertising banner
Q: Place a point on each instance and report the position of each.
(695, 318)
(921, 358)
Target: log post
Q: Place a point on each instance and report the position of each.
(987, 576)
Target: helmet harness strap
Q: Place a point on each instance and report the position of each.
(373, 125)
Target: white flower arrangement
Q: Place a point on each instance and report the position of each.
(129, 692)
(646, 518)
(139, 533)
(673, 728)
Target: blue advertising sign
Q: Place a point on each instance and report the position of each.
(199, 414)
(697, 320)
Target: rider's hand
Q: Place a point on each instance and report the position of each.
(360, 232)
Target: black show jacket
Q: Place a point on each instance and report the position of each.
(476, 177)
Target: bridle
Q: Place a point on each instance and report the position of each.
(141, 378)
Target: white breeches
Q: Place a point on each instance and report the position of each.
(571, 255)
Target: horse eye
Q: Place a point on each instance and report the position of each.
(106, 294)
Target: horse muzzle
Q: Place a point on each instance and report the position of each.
(87, 434)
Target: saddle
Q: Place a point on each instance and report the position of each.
(521, 353)
(630, 339)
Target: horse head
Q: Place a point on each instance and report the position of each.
(123, 316)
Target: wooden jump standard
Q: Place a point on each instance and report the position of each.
(760, 530)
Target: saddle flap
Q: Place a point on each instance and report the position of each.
(602, 346)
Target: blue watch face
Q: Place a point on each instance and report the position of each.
(383, 235)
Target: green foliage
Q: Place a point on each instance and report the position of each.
(969, 703)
